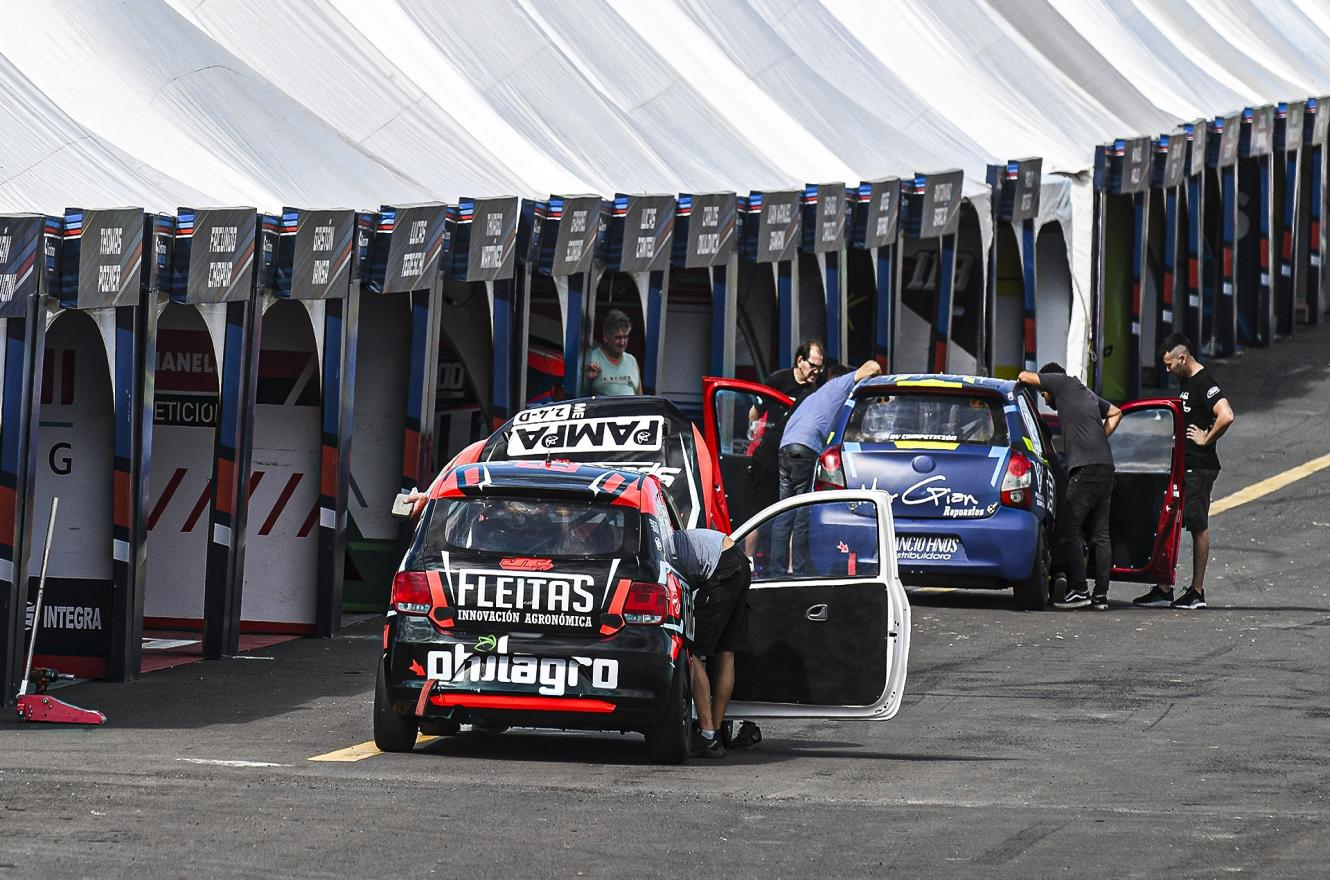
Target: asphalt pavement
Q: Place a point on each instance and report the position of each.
(1126, 743)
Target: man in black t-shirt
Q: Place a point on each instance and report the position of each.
(796, 383)
(1207, 415)
(1087, 420)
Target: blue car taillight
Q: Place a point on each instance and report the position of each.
(1017, 484)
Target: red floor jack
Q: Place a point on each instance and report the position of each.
(38, 706)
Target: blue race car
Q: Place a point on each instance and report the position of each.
(970, 468)
(974, 475)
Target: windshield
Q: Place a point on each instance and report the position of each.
(924, 417)
(550, 527)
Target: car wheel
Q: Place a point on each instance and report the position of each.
(392, 732)
(1032, 593)
(667, 742)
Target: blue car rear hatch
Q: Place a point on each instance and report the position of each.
(939, 447)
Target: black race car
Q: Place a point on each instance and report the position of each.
(539, 595)
(543, 594)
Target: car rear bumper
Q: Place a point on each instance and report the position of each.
(992, 552)
(616, 683)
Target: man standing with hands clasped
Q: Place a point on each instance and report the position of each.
(1207, 415)
(1087, 421)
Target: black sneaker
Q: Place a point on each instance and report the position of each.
(1073, 599)
(1158, 597)
(1099, 601)
(707, 748)
(748, 736)
(1190, 600)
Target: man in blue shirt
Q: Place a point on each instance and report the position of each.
(806, 431)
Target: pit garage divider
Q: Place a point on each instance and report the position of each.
(1122, 198)
(565, 238)
(87, 392)
(1221, 333)
(1013, 308)
(478, 300)
(822, 247)
(1200, 274)
(638, 243)
(393, 419)
(702, 310)
(932, 214)
(29, 271)
(1291, 193)
(319, 263)
(874, 257)
(223, 261)
(1316, 292)
(1167, 246)
(770, 224)
(1254, 284)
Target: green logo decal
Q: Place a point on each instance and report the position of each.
(487, 643)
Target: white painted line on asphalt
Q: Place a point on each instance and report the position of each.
(220, 762)
(1270, 484)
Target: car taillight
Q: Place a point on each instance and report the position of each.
(411, 593)
(646, 603)
(1016, 485)
(830, 472)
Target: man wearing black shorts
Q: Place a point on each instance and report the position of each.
(1207, 415)
(719, 573)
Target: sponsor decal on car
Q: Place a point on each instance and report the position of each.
(539, 600)
(930, 491)
(623, 434)
(525, 563)
(490, 661)
(662, 472)
(919, 548)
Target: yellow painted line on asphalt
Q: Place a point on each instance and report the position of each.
(361, 751)
(1271, 484)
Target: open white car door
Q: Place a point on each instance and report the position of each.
(829, 622)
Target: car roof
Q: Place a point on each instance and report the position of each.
(939, 380)
(544, 479)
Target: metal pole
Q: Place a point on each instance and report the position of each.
(41, 590)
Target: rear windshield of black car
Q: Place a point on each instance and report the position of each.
(544, 527)
(923, 416)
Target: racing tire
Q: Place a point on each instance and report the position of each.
(392, 732)
(668, 741)
(1032, 593)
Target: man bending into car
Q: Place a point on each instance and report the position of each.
(719, 574)
(1087, 421)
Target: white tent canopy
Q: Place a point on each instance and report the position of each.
(162, 103)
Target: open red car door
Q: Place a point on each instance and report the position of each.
(735, 415)
(1146, 516)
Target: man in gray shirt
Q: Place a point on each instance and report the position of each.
(1087, 421)
(719, 574)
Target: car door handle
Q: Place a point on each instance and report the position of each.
(817, 613)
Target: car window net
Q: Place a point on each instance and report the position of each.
(921, 417)
(528, 527)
